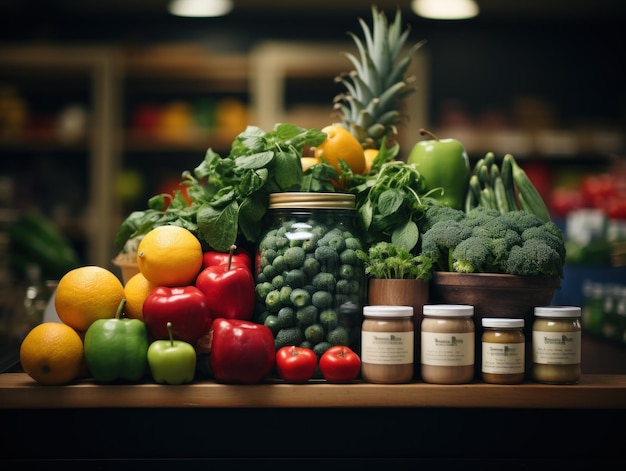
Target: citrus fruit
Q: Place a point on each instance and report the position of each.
(308, 162)
(52, 353)
(169, 256)
(370, 155)
(340, 144)
(86, 294)
(136, 291)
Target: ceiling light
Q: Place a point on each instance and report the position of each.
(445, 9)
(200, 8)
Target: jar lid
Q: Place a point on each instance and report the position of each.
(502, 322)
(311, 200)
(388, 311)
(449, 310)
(557, 311)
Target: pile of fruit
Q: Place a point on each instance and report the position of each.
(183, 303)
(196, 294)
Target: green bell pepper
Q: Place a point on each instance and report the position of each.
(117, 348)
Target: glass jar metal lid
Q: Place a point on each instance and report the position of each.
(388, 311)
(502, 322)
(557, 311)
(448, 310)
(310, 200)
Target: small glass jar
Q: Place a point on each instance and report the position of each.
(503, 350)
(387, 342)
(310, 283)
(556, 344)
(447, 343)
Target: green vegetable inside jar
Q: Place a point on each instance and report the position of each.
(310, 284)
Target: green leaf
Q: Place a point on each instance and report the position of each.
(288, 171)
(252, 181)
(206, 167)
(219, 227)
(390, 201)
(254, 161)
(366, 213)
(251, 140)
(286, 131)
(223, 197)
(251, 213)
(406, 236)
(157, 202)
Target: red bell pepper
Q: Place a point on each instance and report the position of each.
(229, 289)
(185, 307)
(235, 256)
(242, 352)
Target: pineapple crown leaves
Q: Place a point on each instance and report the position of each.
(377, 83)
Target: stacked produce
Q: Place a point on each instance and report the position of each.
(207, 282)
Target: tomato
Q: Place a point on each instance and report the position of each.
(615, 207)
(596, 187)
(296, 364)
(340, 364)
(564, 201)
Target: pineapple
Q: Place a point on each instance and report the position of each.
(369, 107)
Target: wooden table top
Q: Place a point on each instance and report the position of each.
(19, 391)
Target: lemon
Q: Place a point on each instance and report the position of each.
(169, 256)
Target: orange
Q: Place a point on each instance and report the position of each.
(169, 256)
(370, 155)
(340, 144)
(308, 162)
(86, 294)
(136, 290)
(52, 353)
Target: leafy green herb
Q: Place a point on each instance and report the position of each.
(385, 260)
(389, 201)
(230, 194)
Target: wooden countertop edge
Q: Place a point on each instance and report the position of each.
(18, 391)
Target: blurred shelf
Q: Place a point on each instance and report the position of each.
(552, 145)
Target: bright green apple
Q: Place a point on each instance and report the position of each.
(172, 361)
(445, 168)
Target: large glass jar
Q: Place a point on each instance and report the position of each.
(310, 283)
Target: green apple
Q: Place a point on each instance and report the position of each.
(445, 168)
(172, 361)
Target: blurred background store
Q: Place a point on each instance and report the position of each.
(103, 103)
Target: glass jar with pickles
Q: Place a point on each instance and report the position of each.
(310, 283)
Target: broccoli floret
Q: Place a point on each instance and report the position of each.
(473, 255)
(501, 247)
(438, 212)
(480, 215)
(535, 257)
(492, 228)
(546, 233)
(520, 220)
(441, 239)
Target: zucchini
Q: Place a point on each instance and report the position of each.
(500, 194)
(528, 195)
(506, 172)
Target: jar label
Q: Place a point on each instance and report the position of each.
(503, 358)
(447, 349)
(387, 348)
(556, 348)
